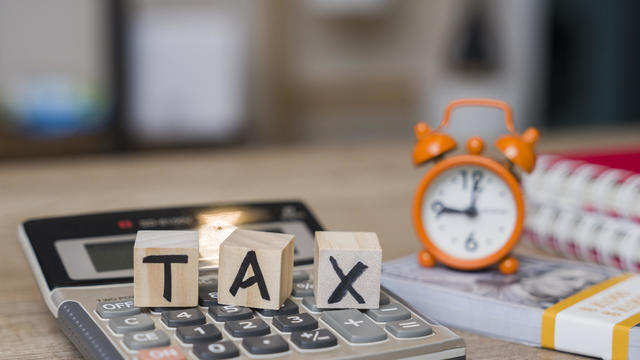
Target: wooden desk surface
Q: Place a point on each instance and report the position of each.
(366, 187)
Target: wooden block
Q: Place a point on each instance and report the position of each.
(347, 268)
(165, 268)
(256, 269)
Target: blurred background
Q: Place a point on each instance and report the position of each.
(87, 76)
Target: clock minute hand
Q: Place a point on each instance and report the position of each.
(440, 209)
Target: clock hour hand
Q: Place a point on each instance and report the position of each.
(440, 209)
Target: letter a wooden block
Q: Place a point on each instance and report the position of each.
(165, 268)
(256, 269)
(347, 268)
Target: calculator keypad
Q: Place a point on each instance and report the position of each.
(237, 329)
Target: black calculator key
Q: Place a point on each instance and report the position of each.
(158, 309)
(207, 296)
(127, 324)
(389, 312)
(289, 307)
(314, 339)
(270, 344)
(246, 328)
(223, 313)
(384, 299)
(213, 351)
(145, 340)
(111, 309)
(199, 333)
(297, 322)
(184, 317)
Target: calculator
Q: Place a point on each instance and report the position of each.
(84, 267)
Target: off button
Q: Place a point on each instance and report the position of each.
(163, 353)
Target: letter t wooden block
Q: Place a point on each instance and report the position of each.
(256, 269)
(165, 268)
(347, 268)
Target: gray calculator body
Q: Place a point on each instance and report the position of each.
(83, 261)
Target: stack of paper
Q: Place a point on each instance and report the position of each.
(511, 307)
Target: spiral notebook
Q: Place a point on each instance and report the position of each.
(586, 206)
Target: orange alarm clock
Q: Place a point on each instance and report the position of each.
(468, 209)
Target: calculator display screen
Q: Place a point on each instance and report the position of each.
(109, 256)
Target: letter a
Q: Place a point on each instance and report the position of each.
(250, 259)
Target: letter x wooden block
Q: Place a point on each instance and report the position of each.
(165, 268)
(256, 269)
(347, 267)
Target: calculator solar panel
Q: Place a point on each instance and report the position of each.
(83, 267)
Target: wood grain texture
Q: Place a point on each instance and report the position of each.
(363, 187)
(267, 257)
(347, 268)
(149, 279)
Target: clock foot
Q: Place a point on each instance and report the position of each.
(425, 259)
(508, 265)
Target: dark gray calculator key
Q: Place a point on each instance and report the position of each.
(127, 324)
(314, 339)
(213, 351)
(224, 313)
(158, 309)
(384, 299)
(409, 328)
(199, 333)
(353, 326)
(111, 309)
(145, 340)
(270, 344)
(289, 307)
(389, 312)
(300, 275)
(302, 289)
(246, 328)
(297, 322)
(184, 317)
(207, 297)
(310, 303)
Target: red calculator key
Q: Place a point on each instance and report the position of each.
(162, 353)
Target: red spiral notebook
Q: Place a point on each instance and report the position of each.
(586, 205)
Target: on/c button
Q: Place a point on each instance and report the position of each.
(164, 353)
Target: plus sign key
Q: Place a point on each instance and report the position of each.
(314, 339)
(353, 326)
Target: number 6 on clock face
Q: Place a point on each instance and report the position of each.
(468, 211)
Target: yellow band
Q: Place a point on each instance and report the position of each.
(620, 345)
(547, 338)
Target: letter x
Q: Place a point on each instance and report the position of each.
(167, 260)
(346, 282)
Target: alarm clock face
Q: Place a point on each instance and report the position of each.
(469, 212)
